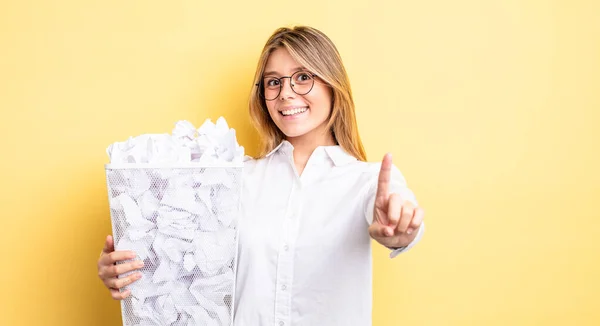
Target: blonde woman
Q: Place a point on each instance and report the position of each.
(311, 202)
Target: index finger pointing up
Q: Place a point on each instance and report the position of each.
(383, 185)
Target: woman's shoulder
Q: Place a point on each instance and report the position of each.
(251, 162)
(371, 169)
(366, 166)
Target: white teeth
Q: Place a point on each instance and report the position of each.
(294, 111)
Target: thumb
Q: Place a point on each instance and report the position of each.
(109, 245)
(378, 230)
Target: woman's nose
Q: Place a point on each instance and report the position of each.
(286, 91)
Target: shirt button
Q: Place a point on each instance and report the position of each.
(281, 323)
(286, 247)
(283, 287)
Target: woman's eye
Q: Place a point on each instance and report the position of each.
(303, 77)
(272, 82)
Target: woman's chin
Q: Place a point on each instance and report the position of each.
(290, 134)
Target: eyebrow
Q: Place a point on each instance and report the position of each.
(268, 73)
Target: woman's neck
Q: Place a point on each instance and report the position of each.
(305, 145)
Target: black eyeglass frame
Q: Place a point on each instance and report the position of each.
(261, 87)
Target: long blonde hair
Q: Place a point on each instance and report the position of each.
(317, 53)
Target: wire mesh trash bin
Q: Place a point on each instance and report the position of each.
(181, 220)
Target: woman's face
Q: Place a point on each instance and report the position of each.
(297, 116)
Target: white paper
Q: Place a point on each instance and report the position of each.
(211, 143)
(214, 250)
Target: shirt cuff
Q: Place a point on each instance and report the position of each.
(417, 238)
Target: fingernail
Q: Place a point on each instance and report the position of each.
(140, 263)
(409, 231)
(138, 276)
(389, 232)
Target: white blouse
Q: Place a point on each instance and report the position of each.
(304, 254)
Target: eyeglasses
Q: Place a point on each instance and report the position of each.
(301, 82)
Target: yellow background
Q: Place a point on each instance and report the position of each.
(491, 109)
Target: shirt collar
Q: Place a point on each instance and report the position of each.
(335, 153)
(276, 149)
(338, 155)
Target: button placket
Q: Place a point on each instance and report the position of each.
(285, 261)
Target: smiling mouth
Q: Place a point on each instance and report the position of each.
(294, 111)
